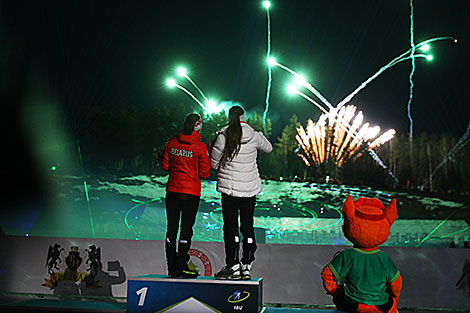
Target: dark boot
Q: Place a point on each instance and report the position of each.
(171, 257)
(181, 265)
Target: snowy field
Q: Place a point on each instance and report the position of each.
(287, 212)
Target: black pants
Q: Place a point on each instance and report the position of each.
(179, 206)
(231, 206)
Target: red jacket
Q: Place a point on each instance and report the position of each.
(187, 160)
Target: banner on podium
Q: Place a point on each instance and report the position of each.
(158, 293)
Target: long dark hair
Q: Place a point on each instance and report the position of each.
(233, 134)
(189, 121)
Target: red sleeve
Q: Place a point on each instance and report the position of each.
(166, 159)
(394, 288)
(329, 282)
(204, 166)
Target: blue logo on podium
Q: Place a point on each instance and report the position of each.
(238, 296)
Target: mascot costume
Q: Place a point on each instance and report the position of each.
(364, 278)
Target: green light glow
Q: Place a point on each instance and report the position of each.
(271, 61)
(267, 4)
(212, 107)
(429, 57)
(291, 89)
(429, 235)
(437, 227)
(425, 47)
(268, 222)
(170, 82)
(139, 203)
(181, 71)
(455, 233)
(80, 154)
(89, 209)
(300, 80)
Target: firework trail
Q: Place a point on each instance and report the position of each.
(312, 101)
(172, 83)
(268, 55)
(347, 127)
(197, 88)
(413, 48)
(460, 144)
(303, 82)
(182, 72)
(355, 125)
(381, 163)
(404, 56)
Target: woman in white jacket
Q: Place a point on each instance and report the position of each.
(234, 156)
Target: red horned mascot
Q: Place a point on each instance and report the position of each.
(364, 278)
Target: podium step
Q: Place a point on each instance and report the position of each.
(159, 293)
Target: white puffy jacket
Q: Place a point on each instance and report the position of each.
(240, 176)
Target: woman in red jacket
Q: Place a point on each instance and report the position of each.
(187, 160)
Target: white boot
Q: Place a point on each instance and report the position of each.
(246, 268)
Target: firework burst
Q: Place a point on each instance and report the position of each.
(338, 137)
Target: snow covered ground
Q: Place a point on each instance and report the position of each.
(132, 207)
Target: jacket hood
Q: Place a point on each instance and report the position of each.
(247, 132)
(189, 139)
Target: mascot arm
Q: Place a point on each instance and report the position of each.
(394, 288)
(329, 282)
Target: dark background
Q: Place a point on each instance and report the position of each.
(115, 54)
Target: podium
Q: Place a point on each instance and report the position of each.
(159, 293)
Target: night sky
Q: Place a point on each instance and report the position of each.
(115, 54)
